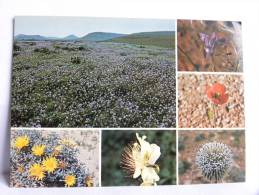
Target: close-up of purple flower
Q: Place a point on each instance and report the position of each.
(209, 42)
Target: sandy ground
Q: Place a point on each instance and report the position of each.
(194, 104)
(88, 144)
(191, 141)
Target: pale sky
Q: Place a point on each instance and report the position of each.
(80, 26)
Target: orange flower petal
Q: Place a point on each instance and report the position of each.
(217, 94)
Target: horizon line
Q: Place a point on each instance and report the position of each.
(53, 36)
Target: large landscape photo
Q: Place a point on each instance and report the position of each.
(93, 72)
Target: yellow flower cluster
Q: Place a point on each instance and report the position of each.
(48, 164)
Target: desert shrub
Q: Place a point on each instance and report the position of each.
(57, 47)
(38, 160)
(123, 54)
(75, 60)
(43, 50)
(32, 43)
(16, 47)
(69, 48)
(81, 48)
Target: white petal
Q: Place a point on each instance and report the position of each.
(147, 184)
(144, 145)
(154, 154)
(137, 173)
(149, 175)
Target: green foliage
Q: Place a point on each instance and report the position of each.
(181, 144)
(199, 137)
(113, 143)
(16, 47)
(43, 50)
(237, 175)
(237, 137)
(183, 166)
(123, 54)
(81, 48)
(165, 41)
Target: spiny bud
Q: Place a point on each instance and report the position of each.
(214, 159)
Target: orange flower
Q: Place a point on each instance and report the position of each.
(217, 94)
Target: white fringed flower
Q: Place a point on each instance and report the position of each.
(139, 160)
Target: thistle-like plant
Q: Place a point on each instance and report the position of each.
(214, 160)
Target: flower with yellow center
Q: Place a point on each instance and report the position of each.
(70, 180)
(38, 150)
(139, 160)
(50, 164)
(89, 181)
(21, 142)
(37, 171)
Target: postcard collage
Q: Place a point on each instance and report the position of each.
(126, 102)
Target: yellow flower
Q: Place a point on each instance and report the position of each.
(38, 150)
(89, 181)
(21, 141)
(50, 164)
(139, 160)
(37, 171)
(70, 180)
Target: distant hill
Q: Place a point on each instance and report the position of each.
(158, 38)
(23, 37)
(101, 36)
(70, 37)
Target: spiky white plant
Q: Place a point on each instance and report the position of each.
(215, 160)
